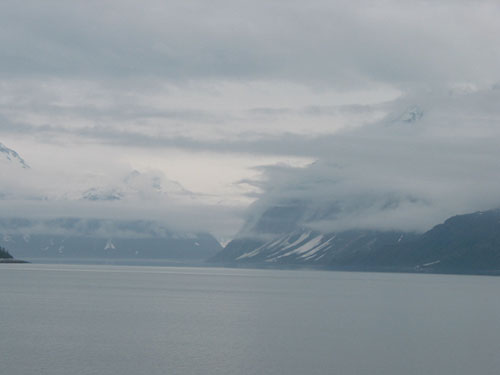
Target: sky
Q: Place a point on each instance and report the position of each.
(200, 114)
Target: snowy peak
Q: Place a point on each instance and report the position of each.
(146, 185)
(411, 115)
(12, 156)
(101, 194)
(153, 182)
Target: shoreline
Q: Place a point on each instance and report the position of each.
(10, 260)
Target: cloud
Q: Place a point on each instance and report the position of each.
(125, 195)
(206, 93)
(202, 112)
(396, 173)
(333, 43)
(324, 42)
(432, 156)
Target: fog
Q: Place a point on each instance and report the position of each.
(387, 111)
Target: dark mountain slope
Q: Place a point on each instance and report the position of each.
(92, 238)
(4, 254)
(462, 244)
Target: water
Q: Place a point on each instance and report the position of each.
(61, 319)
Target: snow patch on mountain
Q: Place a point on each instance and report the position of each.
(109, 245)
(12, 156)
(144, 185)
(411, 115)
(102, 194)
(306, 247)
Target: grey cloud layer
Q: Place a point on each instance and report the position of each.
(399, 174)
(306, 79)
(340, 42)
(118, 195)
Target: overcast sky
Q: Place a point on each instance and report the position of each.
(219, 103)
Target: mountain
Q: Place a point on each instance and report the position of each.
(72, 238)
(141, 185)
(80, 238)
(11, 156)
(5, 257)
(307, 247)
(462, 244)
(411, 115)
(4, 254)
(280, 235)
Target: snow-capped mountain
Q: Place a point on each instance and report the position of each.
(411, 115)
(11, 156)
(309, 247)
(77, 237)
(281, 235)
(144, 185)
(462, 244)
(102, 194)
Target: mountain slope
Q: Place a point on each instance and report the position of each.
(11, 156)
(311, 247)
(4, 254)
(70, 238)
(462, 244)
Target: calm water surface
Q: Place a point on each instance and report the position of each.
(61, 319)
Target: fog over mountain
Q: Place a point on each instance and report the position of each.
(337, 115)
(435, 155)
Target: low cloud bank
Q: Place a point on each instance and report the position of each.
(435, 155)
(35, 202)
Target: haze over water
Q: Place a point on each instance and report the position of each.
(62, 319)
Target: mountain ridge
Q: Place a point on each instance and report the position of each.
(4, 254)
(72, 238)
(12, 156)
(468, 243)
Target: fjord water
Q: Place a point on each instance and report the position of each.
(61, 319)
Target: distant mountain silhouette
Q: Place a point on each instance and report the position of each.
(71, 238)
(4, 254)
